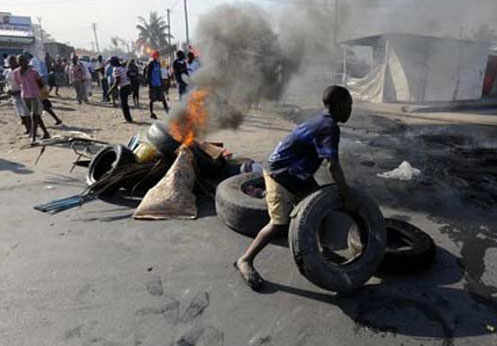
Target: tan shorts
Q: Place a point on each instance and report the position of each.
(280, 201)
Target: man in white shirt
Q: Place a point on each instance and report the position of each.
(14, 90)
(122, 82)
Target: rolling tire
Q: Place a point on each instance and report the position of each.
(416, 252)
(304, 229)
(108, 160)
(242, 213)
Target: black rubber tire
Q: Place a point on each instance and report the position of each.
(159, 136)
(242, 213)
(417, 254)
(304, 229)
(108, 160)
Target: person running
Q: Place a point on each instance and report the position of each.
(77, 77)
(289, 175)
(121, 82)
(109, 72)
(154, 80)
(180, 68)
(14, 90)
(104, 83)
(134, 78)
(30, 83)
(47, 104)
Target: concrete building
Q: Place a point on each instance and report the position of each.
(421, 69)
(16, 34)
(58, 49)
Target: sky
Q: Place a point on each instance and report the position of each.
(70, 20)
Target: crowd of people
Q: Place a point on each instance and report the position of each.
(30, 82)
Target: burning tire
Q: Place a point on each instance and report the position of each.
(238, 210)
(306, 227)
(107, 161)
(409, 249)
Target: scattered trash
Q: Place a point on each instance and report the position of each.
(49, 187)
(404, 172)
(91, 193)
(250, 166)
(145, 152)
(490, 328)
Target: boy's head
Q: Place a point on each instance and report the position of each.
(180, 54)
(338, 101)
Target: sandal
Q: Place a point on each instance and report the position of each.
(253, 279)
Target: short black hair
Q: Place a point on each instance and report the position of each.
(336, 94)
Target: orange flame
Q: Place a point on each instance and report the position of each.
(189, 124)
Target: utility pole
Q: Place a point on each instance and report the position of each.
(186, 24)
(94, 26)
(169, 35)
(336, 23)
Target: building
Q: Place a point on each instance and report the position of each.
(58, 49)
(16, 35)
(421, 69)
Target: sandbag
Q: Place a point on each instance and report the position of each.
(172, 197)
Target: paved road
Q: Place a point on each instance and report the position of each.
(94, 276)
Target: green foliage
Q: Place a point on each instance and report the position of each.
(152, 33)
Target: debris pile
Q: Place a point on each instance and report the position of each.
(167, 167)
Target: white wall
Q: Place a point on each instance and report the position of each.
(425, 69)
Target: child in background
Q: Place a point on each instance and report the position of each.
(47, 105)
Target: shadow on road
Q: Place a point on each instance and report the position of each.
(417, 306)
(14, 167)
(64, 109)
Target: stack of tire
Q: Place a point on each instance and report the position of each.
(114, 157)
(107, 161)
(375, 242)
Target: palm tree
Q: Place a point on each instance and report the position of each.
(153, 33)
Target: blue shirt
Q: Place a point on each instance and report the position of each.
(156, 75)
(302, 152)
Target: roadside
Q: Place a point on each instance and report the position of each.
(95, 276)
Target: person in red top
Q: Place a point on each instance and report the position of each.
(30, 82)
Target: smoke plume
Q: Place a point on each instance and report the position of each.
(243, 62)
(249, 55)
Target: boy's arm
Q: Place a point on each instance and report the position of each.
(336, 171)
(339, 178)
